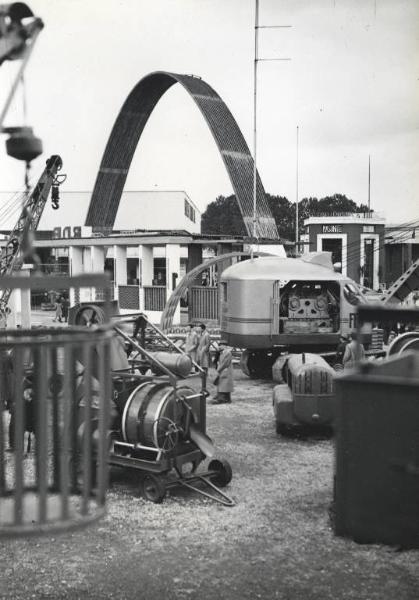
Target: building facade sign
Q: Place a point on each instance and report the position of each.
(368, 229)
(332, 228)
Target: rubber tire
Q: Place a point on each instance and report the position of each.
(153, 488)
(98, 315)
(224, 472)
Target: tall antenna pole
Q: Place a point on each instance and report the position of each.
(255, 80)
(296, 201)
(369, 183)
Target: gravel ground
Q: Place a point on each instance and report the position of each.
(275, 543)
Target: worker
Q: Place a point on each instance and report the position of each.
(65, 307)
(203, 348)
(340, 351)
(353, 352)
(191, 342)
(58, 310)
(224, 379)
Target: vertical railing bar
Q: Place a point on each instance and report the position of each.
(104, 406)
(65, 406)
(18, 434)
(72, 399)
(2, 445)
(40, 370)
(87, 430)
(55, 406)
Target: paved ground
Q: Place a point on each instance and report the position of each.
(276, 542)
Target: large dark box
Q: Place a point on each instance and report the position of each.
(377, 452)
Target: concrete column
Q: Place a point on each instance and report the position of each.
(120, 262)
(120, 268)
(194, 256)
(20, 304)
(173, 252)
(25, 301)
(97, 263)
(145, 269)
(75, 259)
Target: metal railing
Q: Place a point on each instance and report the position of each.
(129, 297)
(55, 383)
(203, 302)
(154, 297)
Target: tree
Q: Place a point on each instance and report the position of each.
(223, 216)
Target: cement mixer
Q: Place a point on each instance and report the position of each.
(158, 415)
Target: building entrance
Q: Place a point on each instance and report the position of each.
(333, 245)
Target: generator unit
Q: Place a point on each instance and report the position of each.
(306, 398)
(270, 305)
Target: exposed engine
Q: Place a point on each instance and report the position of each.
(311, 307)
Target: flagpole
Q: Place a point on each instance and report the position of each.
(296, 200)
(255, 74)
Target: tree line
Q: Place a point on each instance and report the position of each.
(223, 215)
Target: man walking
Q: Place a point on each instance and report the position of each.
(204, 348)
(191, 343)
(224, 379)
(352, 353)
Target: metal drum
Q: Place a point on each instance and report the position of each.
(179, 364)
(151, 413)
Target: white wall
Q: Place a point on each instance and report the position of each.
(150, 210)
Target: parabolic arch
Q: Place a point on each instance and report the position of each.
(126, 134)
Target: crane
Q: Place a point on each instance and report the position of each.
(19, 29)
(19, 245)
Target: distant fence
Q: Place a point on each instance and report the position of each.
(129, 297)
(154, 297)
(203, 303)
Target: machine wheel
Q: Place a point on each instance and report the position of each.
(89, 315)
(153, 488)
(224, 473)
(166, 434)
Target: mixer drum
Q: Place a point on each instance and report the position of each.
(150, 411)
(179, 364)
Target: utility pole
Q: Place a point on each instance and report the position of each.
(255, 83)
(296, 201)
(369, 183)
(255, 74)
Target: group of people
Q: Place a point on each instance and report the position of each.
(62, 305)
(197, 346)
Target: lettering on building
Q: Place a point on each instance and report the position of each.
(66, 232)
(332, 228)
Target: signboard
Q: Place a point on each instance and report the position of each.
(368, 229)
(71, 232)
(332, 229)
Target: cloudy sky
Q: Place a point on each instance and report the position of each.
(351, 86)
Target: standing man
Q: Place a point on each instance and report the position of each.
(203, 348)
(191, 343)
(58, 310)
(224, 379)
(350, 356)
(64, 307)
(340, 351)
